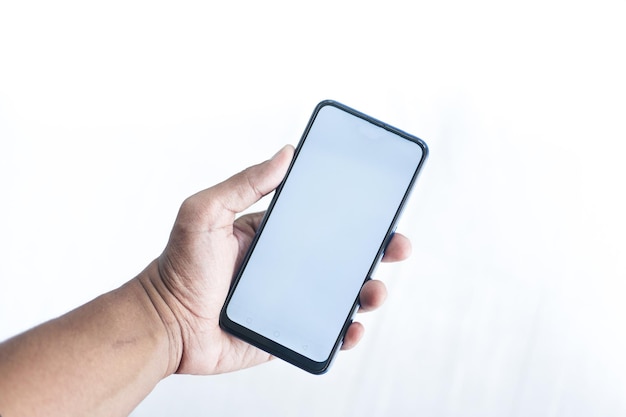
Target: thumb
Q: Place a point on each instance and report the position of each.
(218, 205)
(247, 187)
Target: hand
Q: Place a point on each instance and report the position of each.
(194, 273)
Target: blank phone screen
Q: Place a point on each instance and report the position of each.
(324, 232)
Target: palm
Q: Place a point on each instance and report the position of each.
(197, 267)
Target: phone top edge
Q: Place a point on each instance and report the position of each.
(375, 121)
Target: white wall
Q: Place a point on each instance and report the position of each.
(513, 303)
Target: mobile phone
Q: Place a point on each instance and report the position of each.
(325, 230)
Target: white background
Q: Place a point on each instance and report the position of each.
(112, 113)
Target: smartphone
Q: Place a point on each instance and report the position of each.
(325, 230)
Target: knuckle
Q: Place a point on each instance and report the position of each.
(200, 212)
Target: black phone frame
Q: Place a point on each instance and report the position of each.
(269, 345)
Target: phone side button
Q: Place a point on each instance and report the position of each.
(352, 316)
(382, 253)
(393, 232)
(343, 338)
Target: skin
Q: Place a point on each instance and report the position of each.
(104, 357)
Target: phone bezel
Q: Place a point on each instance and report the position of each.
(269, 345)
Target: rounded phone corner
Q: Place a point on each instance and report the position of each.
(327, 102)
(425, 149)
(223, 320)
(317, 368)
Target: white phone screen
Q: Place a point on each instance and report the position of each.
(324, 232)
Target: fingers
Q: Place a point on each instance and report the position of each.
(399, 248)
(353, 336)
(373, 295)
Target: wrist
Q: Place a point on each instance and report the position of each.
(154, 292)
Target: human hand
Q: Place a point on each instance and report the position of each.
(194, 273)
